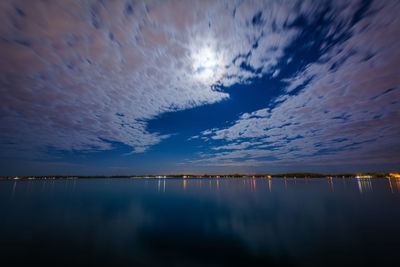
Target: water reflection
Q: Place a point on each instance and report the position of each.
(397, 184)
(219, 222)
(394, 184)
(14, 187)
(364, 185)
(331, 184)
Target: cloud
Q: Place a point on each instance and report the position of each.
(86, 75)
(341, 108)
(81, 75)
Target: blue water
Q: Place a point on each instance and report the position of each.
(200, 222)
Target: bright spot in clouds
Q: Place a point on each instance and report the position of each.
(206, 65)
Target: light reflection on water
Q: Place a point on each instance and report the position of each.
(365, 185)
(182, 222)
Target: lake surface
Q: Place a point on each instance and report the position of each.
(200, 222)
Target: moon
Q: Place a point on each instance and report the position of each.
(206, 65)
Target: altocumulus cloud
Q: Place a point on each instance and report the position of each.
(79, 75)
(340, 108)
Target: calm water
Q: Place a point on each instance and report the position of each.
(192, 222)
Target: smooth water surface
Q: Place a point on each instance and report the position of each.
(196, 222)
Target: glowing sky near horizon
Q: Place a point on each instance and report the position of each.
(141, 87)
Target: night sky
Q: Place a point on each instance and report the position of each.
(151, 87)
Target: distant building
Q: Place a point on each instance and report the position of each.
(363, 176)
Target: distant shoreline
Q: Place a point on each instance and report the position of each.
(185, 176)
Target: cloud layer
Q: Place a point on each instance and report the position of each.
(343, 108)
(76, 75)
(81, 75)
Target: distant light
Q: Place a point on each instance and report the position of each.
(206, 65)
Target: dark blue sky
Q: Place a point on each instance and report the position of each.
(140, 87)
